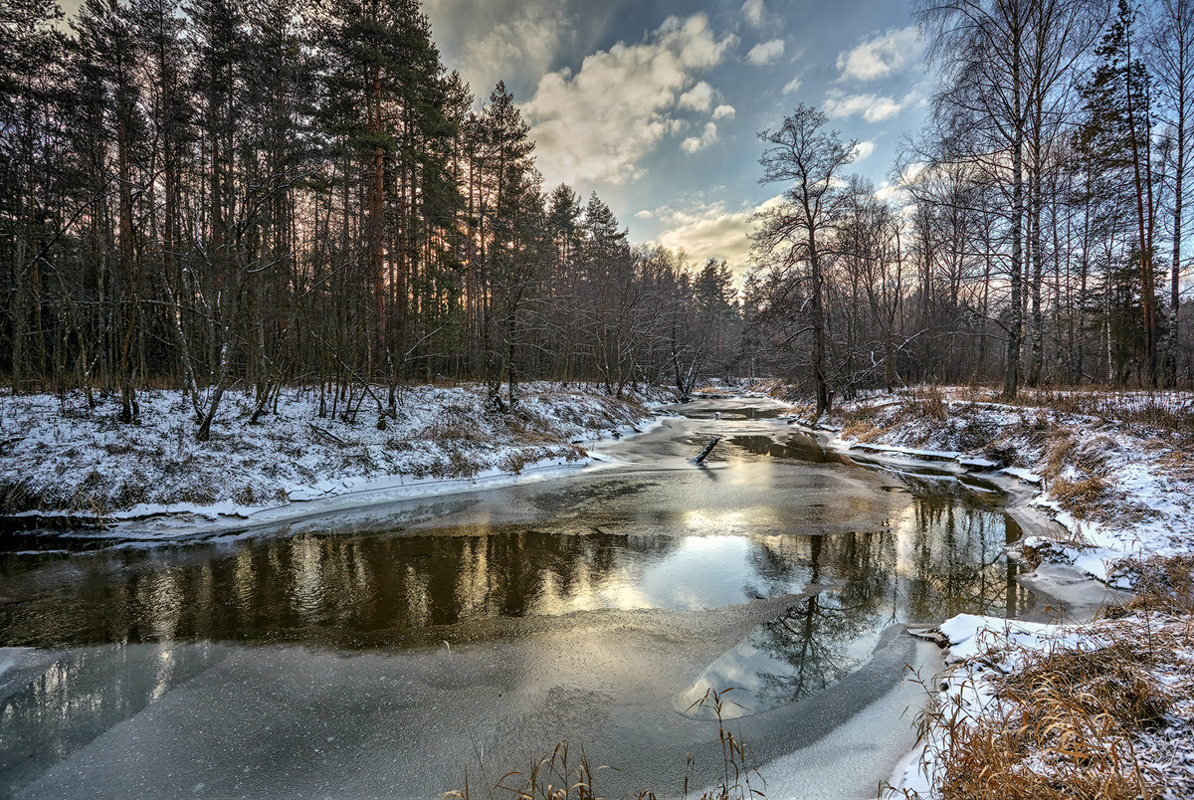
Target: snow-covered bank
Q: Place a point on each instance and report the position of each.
(59, 457)
(1096, 708)
(1119, 478)
(1102, 709)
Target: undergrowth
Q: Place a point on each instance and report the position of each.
(1091, 716)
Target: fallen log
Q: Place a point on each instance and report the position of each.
(708, 449)
(328, 434)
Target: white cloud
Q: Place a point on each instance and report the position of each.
(500, 39)
(880, 56)
(645, 214)
(724, 112)
(863, 149)
(755, 12)
(792, 86)
(707, 137)
(698, 98)
(872, 107)
(597, 124)
(765, 53)
(711, 230)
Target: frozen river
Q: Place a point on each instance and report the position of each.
(382, 650)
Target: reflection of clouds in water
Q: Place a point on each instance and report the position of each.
(701, 572)
(417, 598)
(472, 578)
(936, 559)
(167, 663)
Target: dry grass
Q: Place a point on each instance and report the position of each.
(931, 402)
(1067, 725)
(1172, 411)
(1164, 584)
(1085, 498)
(561, 775)
(1100, 717)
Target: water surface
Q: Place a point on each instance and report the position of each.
(423, 634)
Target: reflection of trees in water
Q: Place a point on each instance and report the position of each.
(957, 564)
(811, 638)
(347, 589)
(946, 560)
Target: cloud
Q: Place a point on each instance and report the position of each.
(500, 39)
(763, 54)
(711, 230)
(792, 86)
(698, 98)
(863, 149)
(755, 12)
(896, 193)
(724, 112)
(708, 137)
(597, 124)
(880, 56)
(872, 107)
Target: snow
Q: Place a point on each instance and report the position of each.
(931, 455)
(1112, 470)
(984, 651)
(1112, 441)
(1026, 475)
(60, 457)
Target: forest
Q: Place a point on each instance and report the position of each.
(216, 194)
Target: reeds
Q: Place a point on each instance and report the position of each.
(562, 775)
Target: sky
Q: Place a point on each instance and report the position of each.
(657, 104)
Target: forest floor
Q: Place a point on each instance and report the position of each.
(1094, 708)
(59, 458)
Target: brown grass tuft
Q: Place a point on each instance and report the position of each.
(1083, 498)
(1070, 723)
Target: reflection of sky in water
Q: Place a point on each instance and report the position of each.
(934, 561)
(929, 559)
(702, 572)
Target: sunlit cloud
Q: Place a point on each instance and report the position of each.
(863, 150)
(599, 123)
(872, 107)
(792, 86)
(698, 98)
(724, 112)
(763, 54)
(505, 38)
(878, 57)
(711, 230)
(755, 12)
(707, 137)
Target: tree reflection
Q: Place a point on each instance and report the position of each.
(942, 560)
(343, 590)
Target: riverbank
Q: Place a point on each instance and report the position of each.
(60, 460)
(1101, 707)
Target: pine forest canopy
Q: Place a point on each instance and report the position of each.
(215, 194)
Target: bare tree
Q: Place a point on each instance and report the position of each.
(809, 160)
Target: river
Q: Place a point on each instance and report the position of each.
(385, 649)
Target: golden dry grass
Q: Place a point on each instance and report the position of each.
(1079, 720)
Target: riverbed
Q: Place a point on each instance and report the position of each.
(383, 649)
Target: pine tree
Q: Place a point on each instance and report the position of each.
(1118, 135)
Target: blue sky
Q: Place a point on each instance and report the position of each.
(657, 105)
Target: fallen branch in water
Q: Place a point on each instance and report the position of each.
(708, 449)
